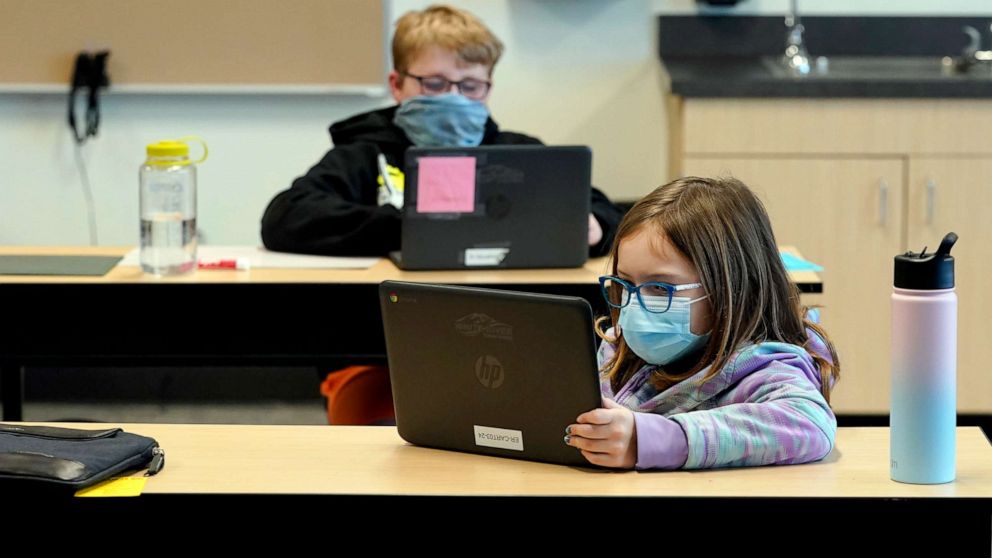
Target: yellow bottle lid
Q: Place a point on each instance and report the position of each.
(173, 150)
(168, 148)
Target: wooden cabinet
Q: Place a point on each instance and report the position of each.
(840, 214)
(955, 194)
(852, 183)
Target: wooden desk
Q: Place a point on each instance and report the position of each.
(807, 281)
(381, 271)
(213, 464)
(302, 317)
(367, 460)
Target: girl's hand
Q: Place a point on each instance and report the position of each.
(606, 436)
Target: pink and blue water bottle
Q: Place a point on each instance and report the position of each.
(924, 366)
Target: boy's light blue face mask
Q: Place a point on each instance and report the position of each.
(660, 338)
(448, 120)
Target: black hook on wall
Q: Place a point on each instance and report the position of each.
(89, 72)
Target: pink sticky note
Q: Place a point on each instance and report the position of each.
(446, 185)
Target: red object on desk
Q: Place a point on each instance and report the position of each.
(239, 263)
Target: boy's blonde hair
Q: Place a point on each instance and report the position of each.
(449, 28)
(722, 228)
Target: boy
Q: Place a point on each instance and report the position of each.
(443, 64)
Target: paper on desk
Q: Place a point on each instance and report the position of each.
(262, 258)
(795, 263)
(39, 264)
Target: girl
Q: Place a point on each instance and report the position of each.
(712, 361)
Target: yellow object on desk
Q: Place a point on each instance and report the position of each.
(115, 487)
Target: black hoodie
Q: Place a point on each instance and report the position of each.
(333, 209)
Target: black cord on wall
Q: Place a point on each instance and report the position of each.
(89, 74)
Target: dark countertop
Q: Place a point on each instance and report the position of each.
(869, 57)
(868, 77)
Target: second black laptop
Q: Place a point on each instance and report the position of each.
(496, 207)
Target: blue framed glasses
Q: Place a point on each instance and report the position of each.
(654, 296)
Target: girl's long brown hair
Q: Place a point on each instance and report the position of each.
(723, 229)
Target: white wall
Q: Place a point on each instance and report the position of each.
(258, 144)
(575, 71)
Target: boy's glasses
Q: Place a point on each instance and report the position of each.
(617, 293)
(438, 85)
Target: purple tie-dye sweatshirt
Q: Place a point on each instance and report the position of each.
(764, 407)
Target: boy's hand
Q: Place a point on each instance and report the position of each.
(606, 436)
(595, 231)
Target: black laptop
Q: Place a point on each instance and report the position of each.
(512, 206)
(489, 371)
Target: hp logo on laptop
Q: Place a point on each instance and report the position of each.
(489, 371)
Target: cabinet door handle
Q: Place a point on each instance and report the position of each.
(883, 202)
(931, 200)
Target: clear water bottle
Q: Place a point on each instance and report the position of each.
(168, 207)
(924, 367)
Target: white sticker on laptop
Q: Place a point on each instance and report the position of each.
(485, 256)
(499, 438)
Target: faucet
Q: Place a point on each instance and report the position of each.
(972, 54)
(796, 59)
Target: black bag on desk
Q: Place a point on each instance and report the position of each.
(67, 459)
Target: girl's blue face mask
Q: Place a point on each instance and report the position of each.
(660, 338)
(448, 120)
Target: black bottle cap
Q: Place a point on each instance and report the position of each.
(927, 272)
